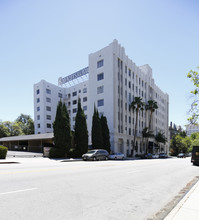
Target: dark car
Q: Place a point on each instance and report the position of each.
(163, 155)
(98, 154)
(181, 155)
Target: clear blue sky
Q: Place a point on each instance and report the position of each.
(46, 39)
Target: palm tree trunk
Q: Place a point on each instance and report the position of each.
(147, 140)
(135, 132)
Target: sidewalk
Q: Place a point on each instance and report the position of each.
(188, 207)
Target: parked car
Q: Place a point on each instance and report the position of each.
(181, 155)
(155, 156)
(163, 155)
(116, 156)
(149, 156)
(97, 154)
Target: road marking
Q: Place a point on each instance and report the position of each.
(135, 171)
(17, 191)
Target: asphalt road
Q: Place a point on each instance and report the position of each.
(40, 188)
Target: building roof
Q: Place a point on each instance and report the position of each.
(28, 137)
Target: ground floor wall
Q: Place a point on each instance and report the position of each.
(124, 144)
(28, 145)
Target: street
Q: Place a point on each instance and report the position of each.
(40, 188)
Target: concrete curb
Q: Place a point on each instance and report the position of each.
(180, 207)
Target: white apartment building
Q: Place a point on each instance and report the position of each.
(110, 82)
(190, 129)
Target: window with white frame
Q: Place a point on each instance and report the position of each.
(100, 76)
(48, 91)
(84, 90)
(100, 63)
(100, 89)
(100, 102)
(48, 108)
(48, 99)
(48, 117)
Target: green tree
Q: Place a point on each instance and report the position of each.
(105, 134)
(13, 128)
(136, 105)
(180, 144)
(66, 129)
(194, 111)
(160, 138)
(96, 132)
(61, 127)
(81, 132)
(4, 131)
(26, 123)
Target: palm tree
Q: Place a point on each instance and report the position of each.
(136, 105)
(151, 106)
(146, 133)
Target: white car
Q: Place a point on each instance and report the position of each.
(155, 156)
(116, 156)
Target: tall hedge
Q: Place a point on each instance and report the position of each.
(105, 134)
(96, 133)
(81, 132)
(3, 152)
(62, 135)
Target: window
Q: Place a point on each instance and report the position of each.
(74, 102)
(48, 117)
(125, 69)
(60, 95)
(100, 63)
(38, 117)
(100, 102)
(48, 125)
(37, 91)
(129, 72)
(48, 99)
(85, 107)
(48, 91)
(85, 99)
(48, 108)
(74, 93)
(38, 100)
(38, 108)
(84, 90)
(80, 91)
(74, 110)
(100, 89)
(38, 125)
(100, 76)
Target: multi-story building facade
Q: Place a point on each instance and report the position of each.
(190, 129)
(111, 81)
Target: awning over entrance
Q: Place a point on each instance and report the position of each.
(33, 143)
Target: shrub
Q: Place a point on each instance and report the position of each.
(56, 153)
(73, 153)
(3, 152)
